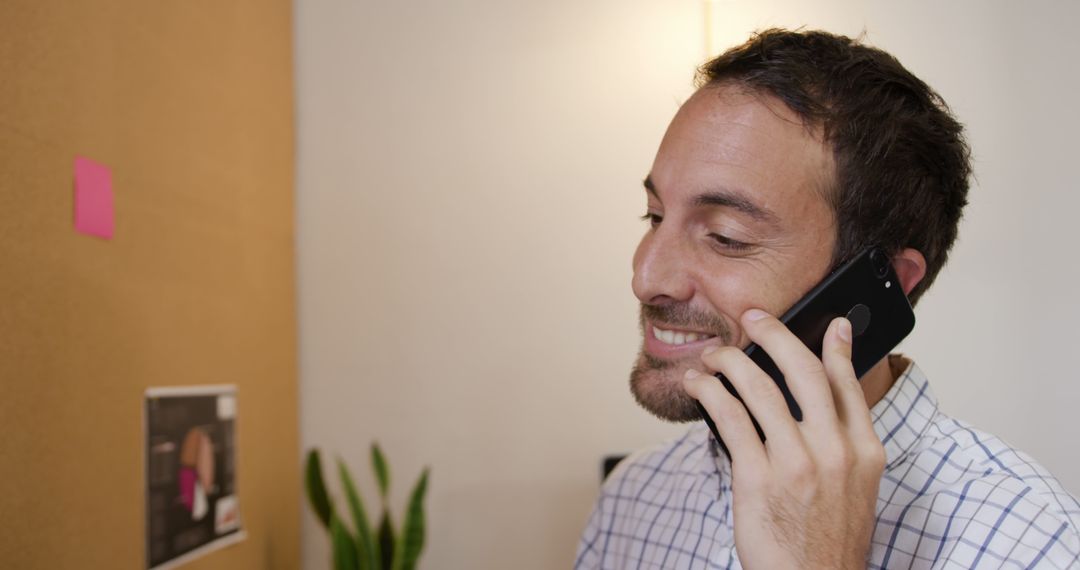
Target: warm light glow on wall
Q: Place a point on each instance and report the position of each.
(721, 29)
(730, 22)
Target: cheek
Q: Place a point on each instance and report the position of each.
(729, 292)
(741, 287)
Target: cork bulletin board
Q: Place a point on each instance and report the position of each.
(190, 106)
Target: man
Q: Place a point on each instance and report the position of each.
(798, 151)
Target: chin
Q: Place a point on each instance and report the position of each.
(657, 386)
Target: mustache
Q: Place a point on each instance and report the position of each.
(683, 315)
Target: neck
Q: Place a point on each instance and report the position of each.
(877, 381)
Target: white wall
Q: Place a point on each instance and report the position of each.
(469, 182)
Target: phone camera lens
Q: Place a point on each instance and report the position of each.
(880, 262)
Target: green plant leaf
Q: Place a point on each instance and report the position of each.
(382, 471)
(367, 548)
(343, 546)
(410, 542)
(316, 488)
(386, 541)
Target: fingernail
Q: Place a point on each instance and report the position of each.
(709, 350)
(756, 314)
(844, 330)
(691, 374)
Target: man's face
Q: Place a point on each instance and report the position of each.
(739, 220)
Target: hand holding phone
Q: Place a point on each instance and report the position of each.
(806, 497)
(867, 291)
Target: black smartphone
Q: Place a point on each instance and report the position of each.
(866, 291)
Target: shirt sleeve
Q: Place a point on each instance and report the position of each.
(588, 552)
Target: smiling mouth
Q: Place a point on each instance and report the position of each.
(675, 337)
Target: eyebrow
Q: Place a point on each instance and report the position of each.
(726, 198)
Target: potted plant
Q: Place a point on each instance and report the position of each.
(365, 547)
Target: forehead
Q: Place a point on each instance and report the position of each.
(748, 143)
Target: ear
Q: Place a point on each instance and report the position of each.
(910, 266)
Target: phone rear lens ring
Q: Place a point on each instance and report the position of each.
(880, 263)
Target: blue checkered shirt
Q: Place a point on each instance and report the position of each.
(951, 497)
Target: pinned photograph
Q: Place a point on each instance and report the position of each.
(192, 505)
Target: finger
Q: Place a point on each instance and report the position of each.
(730, 416)
(803, 371)
(759, 393)
(847, 392)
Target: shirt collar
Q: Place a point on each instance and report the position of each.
(900, 418)
(904, 414)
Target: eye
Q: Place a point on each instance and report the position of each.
(653, 219)
(730, 244)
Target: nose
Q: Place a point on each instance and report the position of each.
(662, 269)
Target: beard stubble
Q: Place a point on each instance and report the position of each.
(656, 383)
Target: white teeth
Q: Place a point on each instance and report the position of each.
(677, 338)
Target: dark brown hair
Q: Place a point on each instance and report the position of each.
(902, 165)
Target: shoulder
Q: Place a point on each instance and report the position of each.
(642, 487)
(650, 480)
(985, 462)
(687, 454)
(666, 480)
(963, 496)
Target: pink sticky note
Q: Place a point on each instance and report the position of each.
(93, 198)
